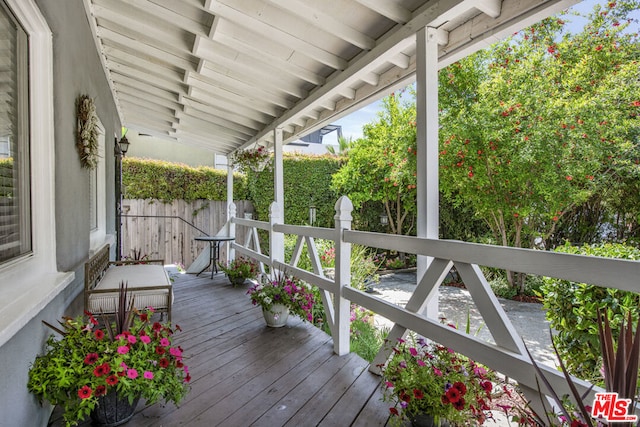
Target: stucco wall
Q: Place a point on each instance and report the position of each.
(77, 70)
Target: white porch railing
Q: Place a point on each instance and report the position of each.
(507, 356)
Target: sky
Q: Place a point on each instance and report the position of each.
(353, 123)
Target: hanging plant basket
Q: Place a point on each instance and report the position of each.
(87, 132)
(254, 159)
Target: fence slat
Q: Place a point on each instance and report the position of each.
(155, 228)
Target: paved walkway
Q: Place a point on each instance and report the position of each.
(454, 304)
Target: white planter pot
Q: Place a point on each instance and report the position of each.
(277, 316)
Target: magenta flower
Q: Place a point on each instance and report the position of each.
(148, 375)
(145, 339)
(132, 373)
(132, 339)
(123, 349)
(164, 342)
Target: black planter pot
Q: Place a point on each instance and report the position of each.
(426, 420)
(112, 410)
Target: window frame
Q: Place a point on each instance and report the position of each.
(30, 282)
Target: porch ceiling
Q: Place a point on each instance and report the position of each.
(222, 74)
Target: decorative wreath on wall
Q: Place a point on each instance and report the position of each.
(87, 137)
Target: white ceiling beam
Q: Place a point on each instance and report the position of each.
(147, 77)
(144, 10)
(211, 142)
(230, 12)
(186, 121)
(239, 87)
(400, 60)
(261, 76)
(326, 23)
(193, 112)
(136, 25)
(161, 66)
(170, 94)
(149, 52)
(371, 78)
(202, 133)
(215, 95)
(230, 106)
(389, 9)
(489, 7)
(347, 92)
(143, 99)
(254, 51)
(218, 111)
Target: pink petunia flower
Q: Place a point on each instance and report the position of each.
(132, 373)
(123, 349)
(148, 375)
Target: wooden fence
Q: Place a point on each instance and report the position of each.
(166, 230)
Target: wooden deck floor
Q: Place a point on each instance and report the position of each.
(246, 374)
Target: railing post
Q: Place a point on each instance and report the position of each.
(276, 240)
(342, 306)
(231, 214)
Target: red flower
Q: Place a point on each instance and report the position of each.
(164, 362)
(393, 411)
(487, 386)
(635, 104)
(461, 387)
(99, 334)
(459, 404)
(405, 396)
(101, 391)
(418, 394)
(160, 350)
(91, 358)
(102, 370)
(453, 394)
(112, 380)
(85, 392)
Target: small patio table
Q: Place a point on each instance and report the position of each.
(214, 250)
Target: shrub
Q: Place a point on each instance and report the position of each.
(572, 310)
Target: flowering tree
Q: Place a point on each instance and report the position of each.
(382, 165)
(541, 122)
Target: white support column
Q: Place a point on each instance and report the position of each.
(278, 172)
(276, 240)
(427, 148)
(342, 307)
(276, 213)
(231, 210)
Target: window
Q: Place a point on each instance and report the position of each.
(15, 184)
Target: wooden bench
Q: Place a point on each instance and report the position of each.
(147, 281)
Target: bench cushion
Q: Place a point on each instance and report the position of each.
(136, 276)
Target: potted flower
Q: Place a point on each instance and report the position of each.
(255, 159)
(431, 385)
(240, 269)
(281, 296)
(103, 370)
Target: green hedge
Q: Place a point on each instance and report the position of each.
(307, 180)
(161, 180)
(572, 311)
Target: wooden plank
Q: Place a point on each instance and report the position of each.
(329, 393)
(363, 389)
(246, 373)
